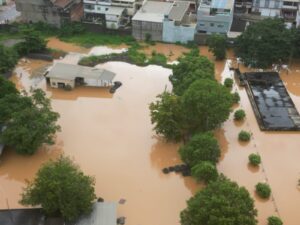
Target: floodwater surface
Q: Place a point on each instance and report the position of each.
(111, 138)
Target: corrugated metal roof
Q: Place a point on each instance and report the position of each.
(222, 4)
(70, 72)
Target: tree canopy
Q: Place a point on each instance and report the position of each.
(264, 43)
(191, 67)
(201, 147)
(166, 114)
(217, 45)
(29, 120)
(222, 202)
(6, 87)
(205, 171)
(62, 189)
(8, 59)
(206, 104)
(33, 43)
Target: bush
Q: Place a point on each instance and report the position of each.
(217, 45)
(239, 114)
(263, 190)
(228, 82)
(235, 98)
(201, 147)
(158, 59)
(205, 171)
(244, 136)
(274, 220)
(254, 159)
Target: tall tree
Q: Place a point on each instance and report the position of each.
(166, 114)
(264, 43)
(8, 59)
(29, 120)
(33, 43)
(62, 189)
(206, 104)
(222, 202)
(217, 45)
(191, 67)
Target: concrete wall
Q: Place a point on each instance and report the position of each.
(172, 33)
(54, 82)
(141, 28)
(97, 83)
(214, 24)
(38, 10)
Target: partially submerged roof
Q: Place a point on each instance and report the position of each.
(153, 11)
(178, 10)
(104, 213)
(70, 72)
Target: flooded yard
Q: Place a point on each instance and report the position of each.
(111, 138)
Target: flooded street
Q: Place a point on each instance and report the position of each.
(111, 138)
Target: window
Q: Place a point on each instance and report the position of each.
(53, 83)
(212, 24)
(220, 25)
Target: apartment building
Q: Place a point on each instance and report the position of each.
(55, 12)
(215, 16)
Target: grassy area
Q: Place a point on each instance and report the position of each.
(92, 39)
(132, 56)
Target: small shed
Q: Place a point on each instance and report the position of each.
(62, 75)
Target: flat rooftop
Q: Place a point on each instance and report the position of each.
(272, 105)
(153, 11)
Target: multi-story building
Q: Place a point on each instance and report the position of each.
(55, 12)
(2, 2)
(214, 16)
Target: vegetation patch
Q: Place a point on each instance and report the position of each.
(239, 115)
(244, 136)
(263, 190)
(228, 83)
(274, 220)
(205, 171)
(254, 159)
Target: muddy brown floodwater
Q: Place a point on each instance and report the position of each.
(111, 138)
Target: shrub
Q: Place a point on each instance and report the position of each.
(205, 171)
(254, 159)
(263, 190)
(158, 59)
(235, 98)
(228, 82)
(274, 220)
(244, 136)
(201, 147)
(239, 114)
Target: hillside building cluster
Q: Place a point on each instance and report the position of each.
(169, 21)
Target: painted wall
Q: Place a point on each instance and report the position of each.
(173, 34)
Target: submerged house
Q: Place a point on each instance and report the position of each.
(63, 75)
(103, 213)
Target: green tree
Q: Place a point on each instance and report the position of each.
(222, 202)
(191, 67)
(205, 171)
(239, 114)
(217, 45)
(33, 43)
(6, 86)
(29, 120)
(166, 114)
(206, 104)
(263, 190)
(264, 43)
(274, 220)
(61, 188)
(244, 136)
(201, 147)
(8, 59)
(254, 159)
